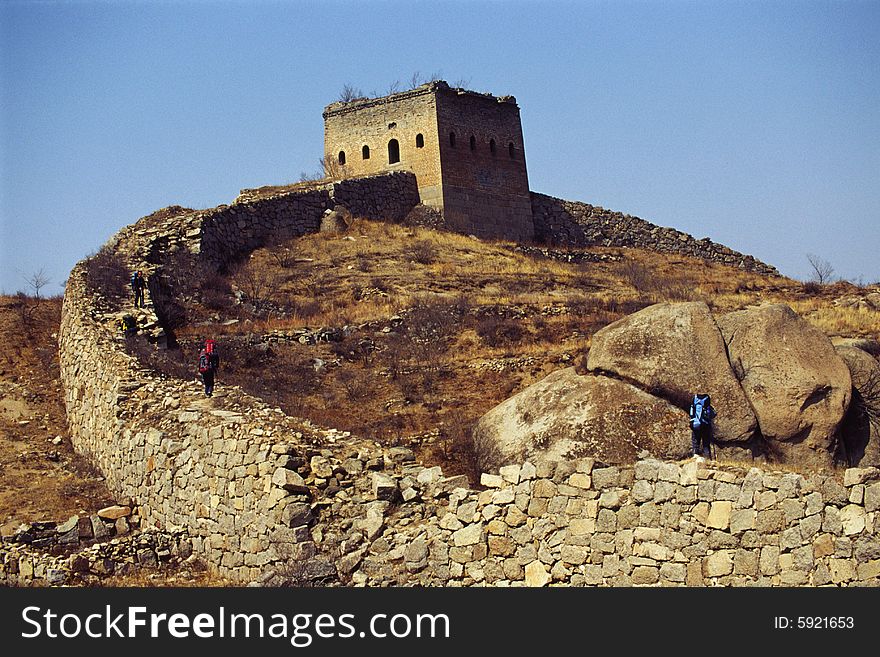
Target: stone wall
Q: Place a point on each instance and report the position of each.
(265, 497)
(215, 469)
(571, 223)
(584, 524)
(229, 232)
(23, 565)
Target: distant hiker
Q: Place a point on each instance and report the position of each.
(209, 362)
(137, 286)
(701, 415)
(128, 325)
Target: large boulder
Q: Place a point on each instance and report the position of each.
(567, 415)
(675, 350)
(796, 383)
(336, 220)
(861, 429)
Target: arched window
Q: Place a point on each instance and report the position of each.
(341, 157)
(393, 151)
(452, 139)
(365, 152)
(511, 151)
(420, 141)
(473, 143)
(492, 146)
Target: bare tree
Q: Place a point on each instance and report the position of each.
(37, 281)
(416, 79)
(462, 83)
(393, 88)
(328, 169)
(822, 269)
(258, 283)
(331, 167)
(350, 93)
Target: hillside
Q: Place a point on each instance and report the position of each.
(406, 336)
(41, 477)
(400, 335)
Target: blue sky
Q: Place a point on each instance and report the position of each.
(754, 123)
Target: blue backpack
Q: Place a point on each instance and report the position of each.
(700, 413)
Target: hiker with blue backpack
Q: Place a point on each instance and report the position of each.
(701, 415)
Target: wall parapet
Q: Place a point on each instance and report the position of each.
(572, 223)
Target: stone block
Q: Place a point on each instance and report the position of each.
(544, 488)
(718, 564)
(872, 497)
(510, 473)
(742, 520)
(719, 515)
(114, 512)
(605, 477)
(536, 574)
(842, 570)
(852, 518)
(854, 476)
(868, 570)
(470, 535)
(580, 480)
(645, 575)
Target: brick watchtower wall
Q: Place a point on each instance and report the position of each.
(369, 136)
(465, 149)
(482, 159)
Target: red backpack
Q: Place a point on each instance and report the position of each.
(206, 357)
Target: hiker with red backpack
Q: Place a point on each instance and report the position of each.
(209, 362)
(701, 415)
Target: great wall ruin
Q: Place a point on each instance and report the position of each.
(262, 498)
(265, 498)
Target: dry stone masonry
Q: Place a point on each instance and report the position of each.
(377, 518)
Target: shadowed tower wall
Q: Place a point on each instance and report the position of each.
(465, 149)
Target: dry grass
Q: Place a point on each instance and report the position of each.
(509, 320)
(38, 479)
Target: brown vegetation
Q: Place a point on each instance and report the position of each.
(431, 329)
(39, 479)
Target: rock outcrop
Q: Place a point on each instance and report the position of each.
(797, 384)
(778, 385)
(567, 415)
(862, 424)
(675, 350)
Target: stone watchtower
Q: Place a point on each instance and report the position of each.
(465, 149)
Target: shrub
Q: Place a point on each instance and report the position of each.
(107, 275)
(283, 256)
(498, 332)
(636, 275)
(459, 449)
(258, 283)
(356, 384)
(25, 308)
(423, 252)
